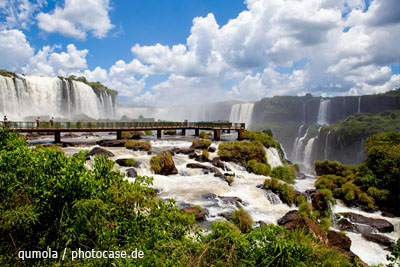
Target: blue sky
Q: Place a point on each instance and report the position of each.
(170, 52)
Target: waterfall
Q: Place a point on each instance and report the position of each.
(326, 145)
(272, 197)
(273, 158)
(296, 142)
(299, 147)
(242, 113)
(24, 96)
(359, 105)
(323, 112)
(308, 153)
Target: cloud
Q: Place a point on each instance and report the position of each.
(77, 18)
(18, 14)
(49, 63)
(14, 49)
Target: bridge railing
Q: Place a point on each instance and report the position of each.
(119, 124)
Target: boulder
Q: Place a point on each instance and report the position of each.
(200, 144)
(212, 149)
(291, 220)
(163, 164)
(226, 214)
(111, 143)
(131, 172)
(318, 203)
(100, 151)
(199, 214)
(123, 163)
(381, 225)
(214, 170)
(300, 176)
(238, 202)
(201, 158)
(185, 151)
(380, 239)
(192, 155)
(339, 240)
(209, 196)
(219, 164)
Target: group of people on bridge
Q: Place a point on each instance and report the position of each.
(5, 121)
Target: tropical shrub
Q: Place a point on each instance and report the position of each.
(242, 219)
(283, 173)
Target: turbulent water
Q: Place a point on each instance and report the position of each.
(323, 112)
(191, 186)
(26, 96)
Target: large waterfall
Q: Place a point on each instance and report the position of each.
(323, 112)
(24, 96)
(242, 113)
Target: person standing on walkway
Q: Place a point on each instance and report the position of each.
(52, 121)
(5, 121)
(37, 122)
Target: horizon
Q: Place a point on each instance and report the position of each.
(173, 52)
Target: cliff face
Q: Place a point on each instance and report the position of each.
(290, 118)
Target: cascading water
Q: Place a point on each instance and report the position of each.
(24, 96)
(359, 105)
(273, 158)
(323, 112)
(308, 153)
(299, 147)
(242, 113)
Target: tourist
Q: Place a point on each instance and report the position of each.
(5, 121)
(52, 121)
(37, 122)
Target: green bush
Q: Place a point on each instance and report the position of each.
(130, 163)
(148, 132)
(143, 145)
(170, 132)
(205, 153)
(283, 173)
(201, 143)
(286, 193)
(242, 219)
(264, 138)
(259, 168)
(241, 151)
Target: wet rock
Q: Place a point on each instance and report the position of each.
(123, 163)
(111, 143)
(70, 135)
(131, 172)
(212, 149)
(201, 158)
(214, 170)
(192, 155)
(87, 157)
(387, 214)
(262, 223)
(163, 164)
(226, 214)
(238, 202)
(380, 239)
(200, 144)
(100, 151)
(381, 225)
(185, 151)
(199, 213)
(318, 203)
(339, 240)
(291, 220)
(158, 190)
(209, 196)
(219, 164)
(300, 176)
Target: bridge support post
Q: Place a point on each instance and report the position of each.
(183, 132)
(158, 134)
(196, 132)
(57, 137)
(217, 135)
(228, 131)
(240, 133)
(119, 135)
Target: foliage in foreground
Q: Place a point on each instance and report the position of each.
(52, 201)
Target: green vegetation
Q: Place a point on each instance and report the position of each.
(283, 173)
(242, 151)
(8, 74)
(265, 138)
(148, 132)
(203, 135)
(141, 145)
(230, 179)
(97, 86)
(130, 163)
(205, 153)
(162, 163)
(201, 143)
(285, 192)
(48, 200)
(373, 183)
(242, 219)
(259, 168)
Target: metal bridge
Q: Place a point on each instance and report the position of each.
(119, 127)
